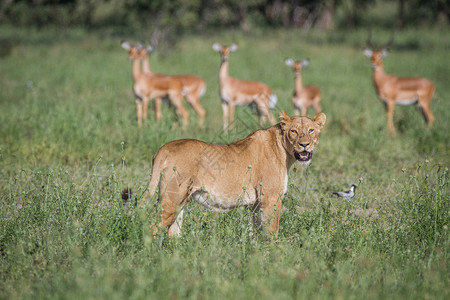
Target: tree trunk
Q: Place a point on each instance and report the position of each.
(326, 18)
(400, 13)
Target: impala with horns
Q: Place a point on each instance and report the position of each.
(242, 92)
(147, 86)
(394, 90)
(193, 86)
(304, 96)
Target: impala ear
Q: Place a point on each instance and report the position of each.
(233, 47)
(305, 62)
(216, 47)
(384, 52)
(320, 120)
(289, 62)
(368, 53)
(125, 45)
(149, 48)
(284, 119)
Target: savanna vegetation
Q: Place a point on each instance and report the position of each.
(69, 145)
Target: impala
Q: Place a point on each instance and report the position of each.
(304, 96)
(242, 92)
(147, 86)
(394, 90)
(193, 86)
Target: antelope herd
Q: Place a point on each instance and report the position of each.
(391, 90)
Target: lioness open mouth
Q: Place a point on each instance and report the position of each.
(302, 156)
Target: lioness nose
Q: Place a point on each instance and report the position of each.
(304, 144)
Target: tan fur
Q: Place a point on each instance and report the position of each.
(252, 172)
(394, 90)
(241, 92)
(304, 96)
(193, 86)
(148, 86)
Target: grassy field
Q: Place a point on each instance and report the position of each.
(69, 144)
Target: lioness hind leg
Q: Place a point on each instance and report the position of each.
(256, 220)
(174, 195)
(175, 228)
(173, 221)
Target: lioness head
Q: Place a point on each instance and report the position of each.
(301, 135)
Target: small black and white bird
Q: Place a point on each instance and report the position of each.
(348, 194)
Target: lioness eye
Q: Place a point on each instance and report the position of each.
(293, 131)
(311, 131)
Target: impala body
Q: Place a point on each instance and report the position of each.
(304, 96)
(393, 90)
(234, 91)
(148, 86)
(193, 87)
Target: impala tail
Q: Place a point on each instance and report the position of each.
(273, 99)
(203, 91)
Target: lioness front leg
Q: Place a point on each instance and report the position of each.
(270, 216)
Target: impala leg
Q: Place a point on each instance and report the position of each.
(195, 103)
(263, 107)
(145, 108)
(296, 111)
(304, 110)
(177, 100)
(427, 114)
(231, 108)
(225, 115)
(317, 106)
(390, 106)
(270, 116)
(158, 109)
(139, 111)
(261, 112)
(262, 119)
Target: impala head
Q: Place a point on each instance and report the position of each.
(224, 50)
(296, 65)
(301, 135)
(376, 54)
(144, 51)
(133, 51)
(376, 57)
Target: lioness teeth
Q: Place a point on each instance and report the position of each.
(303, 156)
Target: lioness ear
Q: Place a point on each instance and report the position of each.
(284, 118)
(320, 120)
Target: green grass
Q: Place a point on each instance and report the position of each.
(69, 145)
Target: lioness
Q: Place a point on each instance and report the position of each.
(250, 172)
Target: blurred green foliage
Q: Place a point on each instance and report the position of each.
(176, 15)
